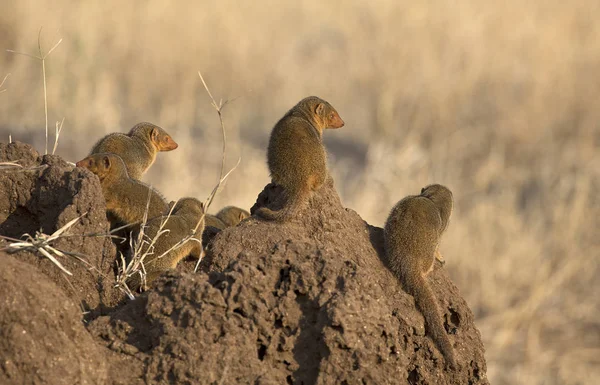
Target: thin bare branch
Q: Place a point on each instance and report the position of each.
(219, 108)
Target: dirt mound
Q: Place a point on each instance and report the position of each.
(42, 339)
(45, 193)
(308, 302)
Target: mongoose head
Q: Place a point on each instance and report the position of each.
(441, 196)
(156, 135)
(105, 165)
(323, 113)
(232, 215)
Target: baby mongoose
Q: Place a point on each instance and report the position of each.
(231, 215)
(412, 234)
(212, 221)
(186, 216)
(228, 216)
(296, 155)
(126, 198)
(138, 148)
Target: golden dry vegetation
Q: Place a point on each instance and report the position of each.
(498, 100)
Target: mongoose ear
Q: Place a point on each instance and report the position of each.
(319, 109)
(154, 135)
(106, 162)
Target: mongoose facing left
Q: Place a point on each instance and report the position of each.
(186, 217)
(296, 156)
(412, 234)
(138, 148)
(126, 198)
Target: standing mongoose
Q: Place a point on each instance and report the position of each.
(231, 215)
(412, 234)
(160, 251)
(126, 198)
(138, 148)
(296, 155)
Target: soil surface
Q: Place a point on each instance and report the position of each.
(306, 302)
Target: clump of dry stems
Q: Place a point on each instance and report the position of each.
(143, 246)
(42, 244)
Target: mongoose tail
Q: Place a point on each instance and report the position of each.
(295, 200)
(418, 287)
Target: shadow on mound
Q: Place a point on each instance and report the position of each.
(45, 193)
(306, 302)
(41, 337)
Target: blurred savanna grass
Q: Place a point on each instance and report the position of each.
(498, 100)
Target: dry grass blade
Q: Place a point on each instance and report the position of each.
(59, 127)
(42, 58)
(10, 165)
(2, 83)
(41, 243)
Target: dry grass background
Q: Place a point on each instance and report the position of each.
(498, 100)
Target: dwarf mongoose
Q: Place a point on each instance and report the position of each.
(186, 219)
(126, 198)
(138, 148)
(231, 215)
(296, 155)
(212, 221)
(412, 233)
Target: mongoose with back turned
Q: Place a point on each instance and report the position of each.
(138, 148)
(296, 156)
(186, 217)
(412, 234)
(126, 198)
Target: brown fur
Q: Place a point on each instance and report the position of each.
(231, 215)
(126, 198)
(138, 148)
(296, 156)
(412, 235)
(187, 215)
(213, 221)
